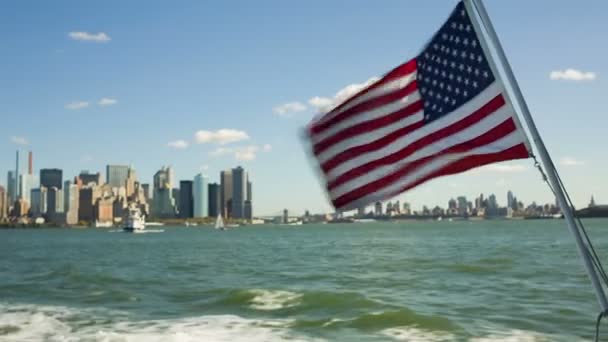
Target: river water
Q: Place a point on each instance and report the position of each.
(409, 281)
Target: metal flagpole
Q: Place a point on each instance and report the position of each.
(478, 7)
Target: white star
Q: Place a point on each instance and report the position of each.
(441, 85)
(474, 43)
(434, 82)
(455, 53)
(476, 72)
(475, 84)
(461, 27)
(479, 59)
(457, 40)
(465, 93)
(451, 38)
(458, 79)
(451, 76)
(431, 93)
(485, 74)
(466, 41)
(438, 96)
(468, 28)
(469, 69)
(466, 81)
(440, 110)
(461, 67)
(446, 99)
(453, 64)
(434, 107)
(449, 88)
(445, 62)
(463, 13)
(457, 91)
(454, 25)
(436, 72)
(463, 54)
(444, 36)
(472, 56)
(423, 90)
(453, 102)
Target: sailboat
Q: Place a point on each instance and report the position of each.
(219, 223)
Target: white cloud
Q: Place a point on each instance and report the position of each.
(500, 168)
(220, 137)
(287, 109)
(178, 144)
(19, 140)
(100, 37)
(569, 161)
(76, 105)
(325, 104)
(572, 75)
(106, 101)
(267, 148)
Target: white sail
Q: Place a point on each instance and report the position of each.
(219, 223)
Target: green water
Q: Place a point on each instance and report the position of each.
(412, 281)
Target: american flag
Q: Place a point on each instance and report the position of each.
(441, 113)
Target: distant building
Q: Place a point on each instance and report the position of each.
(11, 191)
(86, 203)
(39, 199)
(200, 196)
(163, 201)
(239, 192)
(130, 182)
(378, 209)
(285, 216)
(248, 210)
(226, 193)
(186, 199)
(21, 208)
(71, 197)
(3, 204)
(86, 178)
(463, 208)
(50, 178)
(592, 202)
(215, 204)
(54, 203)
(116, 175)
(104, 210)
(147, 194)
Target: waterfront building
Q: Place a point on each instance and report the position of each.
(163, 202)
(11, 192)
(248, 211)
(54, 202)
(226, 193)
(39, 199)
(71, 202)
(21, 208)
(215, 202)
(16, 175)
(239, 192)
(146, 190)
(104, 210)
(87, 197)
(200, 196)
(50, 178)
(378, 209)
(186, 199)
(463, 207)
(119, 208)
(116, 175)
(510, 198)
(3, 204)
(285, 216)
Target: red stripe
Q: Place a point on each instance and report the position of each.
(515, 152)
(402, 70)
(498, 132)
(370, 104)
(356, 151)
(368, 126)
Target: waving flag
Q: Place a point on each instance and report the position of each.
(441, 113)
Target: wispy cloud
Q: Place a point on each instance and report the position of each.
(76, 105)
(106, 101)
(286, 110)
(178, 144)
(572, 75)
(220, 137)
(241, 153)
(500, 168)
(325, 104)
(19, 140)
(569, 161)
(100, 37)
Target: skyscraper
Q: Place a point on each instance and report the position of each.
(200, 196)
(86, 178)
(215, 202)
(130, 182)
(3, 204)
(17, 174)
(51, 178)
(163, 202)
(26, 180)
(11, 192)
(116, 175)
(186, 201)
(71, 203)
(39, 201)
(509, 199)
(226, 193)
(239, 192)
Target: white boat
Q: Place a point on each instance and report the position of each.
(155, 224)
(136, 222)
(103, 224)
(219, 223)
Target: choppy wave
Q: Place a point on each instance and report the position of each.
(49, 323)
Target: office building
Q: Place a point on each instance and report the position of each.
(200, 196)
(146, 190)
(163, 202)
(54, 202)
(215, 201)
(71, 202)
(11, 184)
(248, 211)
(51, 178)
(186, 199)
(86, 178)
(116, 175)
(226, 193)
(3, 204)
(39, 197)
(86, 203)
(130, 182)
(104, 210)
(21, 208)
(16, 186)
(239, 192)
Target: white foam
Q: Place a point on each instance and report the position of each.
(47, 323)
(413, 334)
(513, 336)
(274, 299)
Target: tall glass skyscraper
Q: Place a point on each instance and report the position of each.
(239, 192)
(186, 202)
(201, 197)
(51, 178)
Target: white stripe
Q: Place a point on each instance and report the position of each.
(460, 113)
(501, 145)
(382, 172)
(464, 135)
(367, 116)
(389, 87)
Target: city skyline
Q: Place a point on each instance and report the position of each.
(96, 92)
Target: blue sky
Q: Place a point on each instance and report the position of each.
(85, 84)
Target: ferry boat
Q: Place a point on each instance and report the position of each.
(136, 222)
